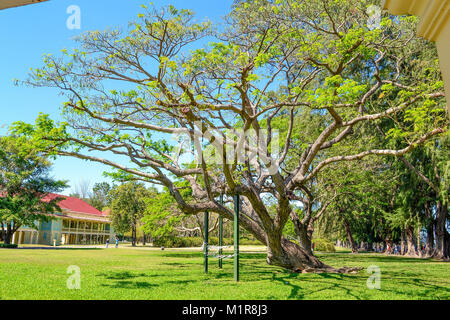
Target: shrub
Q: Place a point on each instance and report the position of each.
(323, 245)
(183, 242)
(250, 242)
(10, 246)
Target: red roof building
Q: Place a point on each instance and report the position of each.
(78, 223)
(73, 204)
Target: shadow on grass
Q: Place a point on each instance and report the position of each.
(122, 275)
(297, 286)
(178, 265)
(122, 280)
(322, 285)
(261, 255)
(182, 255)
(130, 285)
(295, 289)
(335, 276)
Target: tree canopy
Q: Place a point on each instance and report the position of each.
(24, 186)
(128, 207)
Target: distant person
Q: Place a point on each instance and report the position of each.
(107, 243)
(117, 242)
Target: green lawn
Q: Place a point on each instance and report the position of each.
(177, 274)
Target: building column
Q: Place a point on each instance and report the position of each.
(443, 47)
(78, 230)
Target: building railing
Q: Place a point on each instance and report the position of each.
(79, 230)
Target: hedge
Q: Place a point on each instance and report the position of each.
(183, 242)
(6, 245)
(323, 245)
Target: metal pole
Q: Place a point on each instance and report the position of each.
(236, 237)
(220, 234)
(205, 244)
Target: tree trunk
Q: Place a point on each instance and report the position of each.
(305, 239)
(411, 249)
(403, 243)
(8, 234)
(8, 238)
(419, 242)
(353, 244)
(286, 254)
(301, 230)
(429, 245)
(133, 236)
(429, 250)
(2, 232)
(143, 238)
(442, 236)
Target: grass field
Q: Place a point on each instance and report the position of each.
(127, 273)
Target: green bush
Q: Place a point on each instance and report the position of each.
(5, 245)
(184, 242)
(323, 245)
(250, 242)
(178, 242)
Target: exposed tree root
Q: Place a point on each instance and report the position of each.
(292, 257)
(348, 270)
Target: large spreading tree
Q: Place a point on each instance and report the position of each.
(272, 62)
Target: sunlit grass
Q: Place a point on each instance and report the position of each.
(178, 274)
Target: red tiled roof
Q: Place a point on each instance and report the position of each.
(73, 204)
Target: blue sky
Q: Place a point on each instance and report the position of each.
(26, 33)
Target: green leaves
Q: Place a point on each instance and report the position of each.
(43, 135)
(336, 90)
(161, 215)
(128, 205)
(25, 182)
